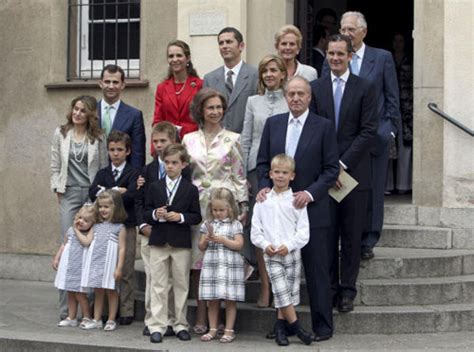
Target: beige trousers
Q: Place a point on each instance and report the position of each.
(165, 263)
(127, 284)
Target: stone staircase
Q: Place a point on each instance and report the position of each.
(420, 281)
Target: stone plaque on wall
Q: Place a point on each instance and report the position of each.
(207, 22)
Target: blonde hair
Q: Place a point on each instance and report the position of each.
(283, 159)
(289, 29)
(261, 66)
(225, 195)
(119, 215)
(87, 210)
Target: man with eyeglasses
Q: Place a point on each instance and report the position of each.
(377, 66)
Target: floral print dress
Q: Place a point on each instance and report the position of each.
(220, 165)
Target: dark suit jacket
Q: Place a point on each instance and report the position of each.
(150, 173)
(357, 122)
(128, 180)
(130, 120)
(316, 158)
(245, 86)
(379, 68)
(186, 202)
(167, 107)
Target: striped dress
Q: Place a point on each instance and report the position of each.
(68, 277)
(102, 257)
(222, 274)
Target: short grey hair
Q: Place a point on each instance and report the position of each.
(361, 22)
(296, 78)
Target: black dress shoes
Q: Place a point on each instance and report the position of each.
(125, 320)
(146, 331)
(169, 331)
(366, 253)
(156, 337)
(183, 335)
(346, 305)
(281, 337)
(303, 335)
(319, 338)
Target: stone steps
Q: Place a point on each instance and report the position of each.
(411, 236)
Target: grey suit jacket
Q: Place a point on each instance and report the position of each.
(245, 86)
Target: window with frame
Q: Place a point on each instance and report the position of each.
(103, 32)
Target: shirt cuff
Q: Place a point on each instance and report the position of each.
(344, 166)
(182, 218)
(143, 225)
(101, 189)
(310, 196)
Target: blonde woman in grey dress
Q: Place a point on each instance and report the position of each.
(268, 102)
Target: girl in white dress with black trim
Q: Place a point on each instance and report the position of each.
(68, 262)
(105, 257)
(222, 274)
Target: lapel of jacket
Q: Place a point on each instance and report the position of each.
(240, 83)
(346, 101)
(170, 92)
(280, 134)
(189, 91)
(92, 150)
(328, 97)
(120, 116)
(368, 62)
(153, 171)
(219, 81)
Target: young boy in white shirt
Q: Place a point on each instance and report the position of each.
(281, 230)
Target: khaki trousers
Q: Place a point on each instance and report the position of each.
(127, 284)
(169, 265)
(145, 254)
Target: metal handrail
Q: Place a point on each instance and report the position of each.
(433, 107)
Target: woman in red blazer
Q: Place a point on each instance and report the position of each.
(176, 92)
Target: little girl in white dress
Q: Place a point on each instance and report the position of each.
(222, 274)
(105, 257)
(68, 262)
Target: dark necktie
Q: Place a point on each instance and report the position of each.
(229, 85)
(115, 174)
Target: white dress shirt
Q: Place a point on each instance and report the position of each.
(112, 112)
(235, 72)
(277, 222)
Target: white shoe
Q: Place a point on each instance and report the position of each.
(68, 322)
(110, 325)
(92, 324)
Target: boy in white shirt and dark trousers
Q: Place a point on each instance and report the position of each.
(281, 230)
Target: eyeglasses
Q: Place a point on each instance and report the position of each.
(351, 30)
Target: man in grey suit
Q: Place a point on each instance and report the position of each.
(375, 65)
(235, 80)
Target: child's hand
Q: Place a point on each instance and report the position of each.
(140, 181)
(121, 190)
(270, 251)
(55, 263)
(210, 228)
(160, 212)
(146, 230)
(118, 274)
(282, 250)
(173, 216)
(216, 238)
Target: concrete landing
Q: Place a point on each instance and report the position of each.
(28, 318)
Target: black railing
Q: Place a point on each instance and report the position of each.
(433, 107)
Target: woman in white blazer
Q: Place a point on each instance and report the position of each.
(269, 101)
(78, 151)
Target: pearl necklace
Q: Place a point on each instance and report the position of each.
(79, 154)
(182, 88)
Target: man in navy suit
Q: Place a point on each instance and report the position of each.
(311, 140)
(114, 114)
(349, 102)
(236, 80)
(377, 66)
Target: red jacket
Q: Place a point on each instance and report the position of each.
(166, 104)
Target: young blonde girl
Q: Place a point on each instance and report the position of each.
(68, 263)
(105, 257)
(222, 274)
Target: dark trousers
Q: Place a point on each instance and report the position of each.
(349, 219)
(316, 268)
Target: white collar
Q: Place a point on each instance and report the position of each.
(344, 76)
(289, 191)
(120, 167)
(302, 118)
(235, 69)
(115, 105)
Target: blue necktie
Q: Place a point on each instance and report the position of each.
(293, 137)
(355, 66)
(162, 171)
(337, 100)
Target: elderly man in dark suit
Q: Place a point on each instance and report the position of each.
(114, 114)
(349, 102)
(236, 80)
(310, 139)
(377, 66)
